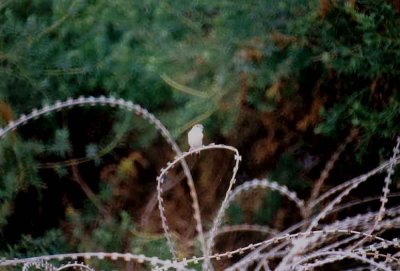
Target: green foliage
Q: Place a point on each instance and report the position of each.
(271, 203)
(203, 61)
(235, 213)
(61, 144)
(53, 241)
(112, 233)
(18, 171)
(91, 151)
(286, 173)
(357, 49)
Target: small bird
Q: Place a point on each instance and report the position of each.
(195, 137)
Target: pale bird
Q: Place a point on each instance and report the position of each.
(195, 137)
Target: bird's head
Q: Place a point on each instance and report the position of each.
(199, 126)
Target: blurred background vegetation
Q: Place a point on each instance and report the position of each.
(286, 82)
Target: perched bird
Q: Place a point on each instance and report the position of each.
(195, 137)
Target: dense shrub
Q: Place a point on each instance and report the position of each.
(288, 84)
